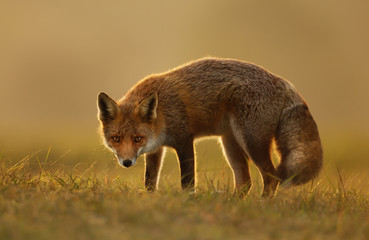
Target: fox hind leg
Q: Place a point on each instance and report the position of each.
(237, 160)
(260, 154)
(258, 149)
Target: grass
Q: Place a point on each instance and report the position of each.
(40, 198)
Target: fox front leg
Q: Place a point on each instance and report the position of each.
(153, 167)
(186, 159)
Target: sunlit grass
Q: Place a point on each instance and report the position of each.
(40, 198)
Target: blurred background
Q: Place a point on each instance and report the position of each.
(55, 56)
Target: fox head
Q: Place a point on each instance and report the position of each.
(129, 129)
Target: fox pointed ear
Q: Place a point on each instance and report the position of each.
(108, 108)
(147, 107)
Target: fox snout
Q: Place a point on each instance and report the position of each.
(126, 163)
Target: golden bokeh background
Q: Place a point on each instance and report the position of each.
(55, 56)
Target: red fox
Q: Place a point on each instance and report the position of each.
(244, 104)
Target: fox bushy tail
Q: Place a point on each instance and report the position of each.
(299, 144)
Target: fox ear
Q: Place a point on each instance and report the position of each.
(108, 108)
(147, 107)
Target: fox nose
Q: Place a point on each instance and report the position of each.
(127, 163)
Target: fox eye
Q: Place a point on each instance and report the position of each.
(138, 139)
(116, 139)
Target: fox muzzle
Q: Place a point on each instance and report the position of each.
(126, 162)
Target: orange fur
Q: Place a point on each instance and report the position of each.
(247, 106)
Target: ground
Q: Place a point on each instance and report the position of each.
(41, 201)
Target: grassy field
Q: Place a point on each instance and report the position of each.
(51, 194)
